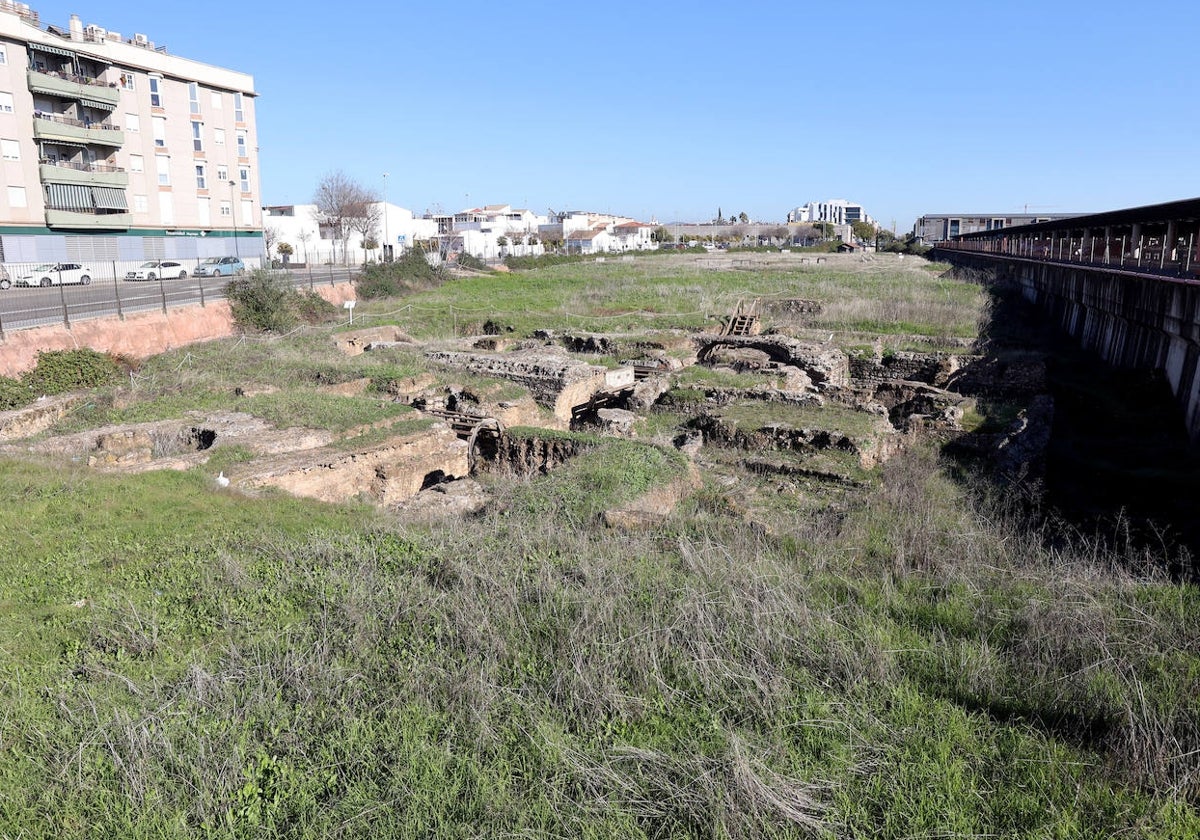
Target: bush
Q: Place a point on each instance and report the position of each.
(59, 371)
(469, 261)
(267, 302)
(14, 394)
(412, 272)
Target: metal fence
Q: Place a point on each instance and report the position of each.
(107, 291)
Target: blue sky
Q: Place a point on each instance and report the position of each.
(670, 110)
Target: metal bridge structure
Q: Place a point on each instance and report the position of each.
(1125, 284)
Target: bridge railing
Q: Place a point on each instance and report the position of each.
(1142, 256)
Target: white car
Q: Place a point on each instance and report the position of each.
(157, 268)
(56, 274)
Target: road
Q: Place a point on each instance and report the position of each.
(21, 308)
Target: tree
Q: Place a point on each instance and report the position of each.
(780, 233)
(344, 206)
(270, 237)
(304, 236)
(743, 218)
(284, 250)
(864, 231)
(660, 234)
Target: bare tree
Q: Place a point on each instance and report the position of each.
(270, 237)
(345, 206)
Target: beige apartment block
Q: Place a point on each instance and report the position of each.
(114, 150)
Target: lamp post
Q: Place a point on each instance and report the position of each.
(387, 243)
(237, 251)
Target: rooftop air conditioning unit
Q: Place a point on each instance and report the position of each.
(140, 39)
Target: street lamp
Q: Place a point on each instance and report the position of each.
(233, 215)
(387, 243)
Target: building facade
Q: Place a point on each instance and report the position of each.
(942, 227)
(836, 211)
(312, 243)
(114, 150)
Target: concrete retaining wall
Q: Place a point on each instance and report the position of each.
(1128, 320)
(138, 335)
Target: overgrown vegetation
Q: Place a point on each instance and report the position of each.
(906, 658)
(265, 302)
(410, 273)
(59, 371)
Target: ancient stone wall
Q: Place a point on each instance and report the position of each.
(557, 382)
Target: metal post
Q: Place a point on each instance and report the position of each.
(162, 293)
(117, 291)
(200, 284)
(1188, 263)
(1122, 252)
(62, 295)
(1141, 239)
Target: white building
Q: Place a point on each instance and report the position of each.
(114, 150)
(492, 232)
(836, 211)
(299, 225)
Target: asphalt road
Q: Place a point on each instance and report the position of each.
(21, 308)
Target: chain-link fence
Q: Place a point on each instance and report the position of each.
(36, 294)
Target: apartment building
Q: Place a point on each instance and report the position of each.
(113, 149)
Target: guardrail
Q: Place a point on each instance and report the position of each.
(106, 295)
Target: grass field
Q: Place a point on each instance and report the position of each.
(907, 659)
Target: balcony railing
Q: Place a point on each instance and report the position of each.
(63, 120)
(71, 77)
(82, 167)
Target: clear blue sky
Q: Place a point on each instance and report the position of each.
(671, 110)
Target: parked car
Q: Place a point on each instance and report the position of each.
(5, 283)
(157, 268)
(220, 267)
(55, 274)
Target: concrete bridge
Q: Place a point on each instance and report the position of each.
(1125, 284)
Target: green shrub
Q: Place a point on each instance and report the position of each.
(470, 261)
(314, 309)
(59, 371)
(412, 272)
(14, 394)
(262, 301)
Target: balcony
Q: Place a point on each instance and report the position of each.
(87, 221)
(55, 128)
(95, 92)
(92, 175)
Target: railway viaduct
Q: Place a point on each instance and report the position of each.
(1125, 284)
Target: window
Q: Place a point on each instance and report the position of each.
(239, 115)
(197, 137)
(194, 97)
(140, 205)
(214, 99)
(155, 94)
(244, 178)
(163, 164)
(241, 143)
(160, 130)
(166, 209)
(226, 208)
(6, 102)
(219, 136)
(222, 173)
(16, 197)
(127, 80)
(201, 183)
(10, 149)
(247, 212)
(205, 214)
(133, 122)
(3, 56)
(137, 163)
